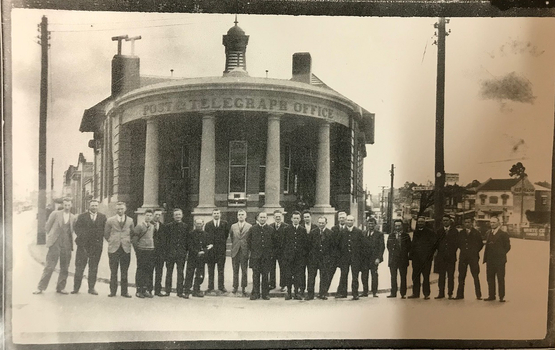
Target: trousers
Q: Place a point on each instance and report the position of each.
(475, 271)
(145, 269)
(494, 270)
(421, 268)
(118, 259)
(241, 260)
(370, 270)
(220, 261)
(86, 255)
(195, 267)
(402, 271)
(170, 263)
(58, 251)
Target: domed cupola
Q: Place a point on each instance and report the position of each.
(235, 42)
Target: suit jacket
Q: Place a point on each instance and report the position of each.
(142, 237)
(161, 240)
(350, 245)
(336, 251)
(373, 247)
(422, 245)
(312, 227)
(118, 235)
(470, 245)
(279, 235)
(447, 245)
(497, 247)
(260, 245)
(219, 237)
(176, 240)
(54, 227)
(295, 244)
(321, 246)
(197, 241)
(239, 238)
(90, 233)
(399, 250)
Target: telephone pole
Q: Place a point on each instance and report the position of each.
(390, 202)
(41, 215)
(439, 196)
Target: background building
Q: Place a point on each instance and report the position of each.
(228, 142)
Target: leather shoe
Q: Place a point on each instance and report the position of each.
(266, 297)
(198, 294)
(209, 290)
(185, 296)
(458, 297)
(282, 289)
(234, 290)
(139, 295)
(355, 297)
(489, 299)
(392, 296)
(340, 296)
(93, 292)
(501, 300)
(159, 294)
(375, 295)
(148, 294)
(364, 295)
(309, 297)
(427, 297)
(324, 297)
(111, 295)
(298, 297)
(450, 297)
(413, 296)
(223, 290)
(126, 295)
(440, 297)
(74, 292)
(62, 291)
(254, 297)
(403, 297)
(38, 291)
(288, 296)
(478, 298)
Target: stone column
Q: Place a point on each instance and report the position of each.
(150, 193)
(322, 205)
(207, 176)
(272, 190)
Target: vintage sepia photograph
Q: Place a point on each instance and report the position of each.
(226, 180)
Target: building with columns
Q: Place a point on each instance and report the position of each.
(229, 142)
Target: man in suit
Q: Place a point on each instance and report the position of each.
(336, 253)
(399, 247)
(308, 226)
(279, 232)
(198, 244)
(350, 245)
(142, 238)
(218, 230)
(117, 232)
(160, 253)
(295, 249)
(239, 250)
(176, 239)
(372, 255)
(89, 229)
(260, 245)
(445, 260)
(320, 245)
(495, 258)
(470, 243)
(422, 253)
(59, 241)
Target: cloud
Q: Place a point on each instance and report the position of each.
(511, 87)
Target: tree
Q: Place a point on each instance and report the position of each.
(518, 171)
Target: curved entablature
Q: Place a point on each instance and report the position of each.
(244, 94)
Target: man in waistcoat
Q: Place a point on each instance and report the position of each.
(142, 238)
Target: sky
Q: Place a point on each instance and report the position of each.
(499, 94)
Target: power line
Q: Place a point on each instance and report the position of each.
(121, 28)
(134, 21)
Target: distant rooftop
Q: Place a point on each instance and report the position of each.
(498, 184)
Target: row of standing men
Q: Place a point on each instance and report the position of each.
(297, 247)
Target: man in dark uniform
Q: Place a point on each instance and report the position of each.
(260, 245)
(373, 247)
(198, 244)
(279, 232)
(309, 226)
(160, 253)
(295, 249)
(495, 258)
(320, 245)
(470, 243)
(350, 244)
(337, 230)
(89, 229)
(176, 251)
(444, 262)
(421, 254)
(399, 247)
(218, 230)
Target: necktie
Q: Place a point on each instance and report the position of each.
(277, 227)
(216, 224)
